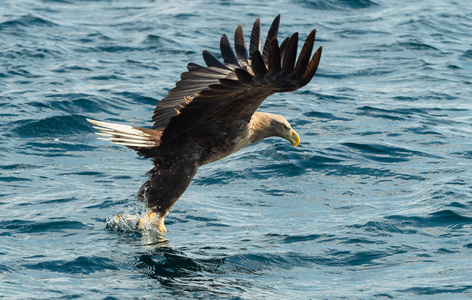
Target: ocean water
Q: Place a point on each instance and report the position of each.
(375, 203)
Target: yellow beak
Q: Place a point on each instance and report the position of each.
(292, 137)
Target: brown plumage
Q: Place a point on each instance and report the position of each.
(211, 113)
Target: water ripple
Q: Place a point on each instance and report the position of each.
(80, 265)
(51, 126)
(336, 4)
(23, 226)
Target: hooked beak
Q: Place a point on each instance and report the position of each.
(292, 137)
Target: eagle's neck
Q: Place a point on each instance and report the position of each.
(260, 126)
(257, 129)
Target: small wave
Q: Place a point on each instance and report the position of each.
(57, 147)
(12, 179)
(467, 54)
(372, 173)
(394, 114)
(27, 21)
(58, 200)
(80, 265)
(12, 167)
(446, 290)
(287, 261)
(110, 47)
(423, 130)
(383, 228)
(167, 262)
(22, 226)
(158, 41)
(376, 71)
(22, 52)
(108, 77)
(412, 224)
(302, 238)
(276, 192)
(384, 153)
(275, 238)
(220, 177)
(324, 116)
(458, 205)
(73, 103)
(59, 1)
(336, 4)
(274, 170)
(71, 69)
(4, 268)
(52, 126)
(137, 97)
(348, 33)
(442, 218)
(416, 45)
(20, 72)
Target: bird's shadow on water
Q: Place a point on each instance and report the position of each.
(179, 273)
(179, 270)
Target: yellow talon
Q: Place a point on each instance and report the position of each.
(160, 222)
(151, 217)
(160, 225)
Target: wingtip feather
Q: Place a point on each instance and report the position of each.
(312, 66)
(290, 54)
(240, 44)
(305, 54)
(271, 34)
(255, 43)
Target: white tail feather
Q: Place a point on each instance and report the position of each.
(125, 135)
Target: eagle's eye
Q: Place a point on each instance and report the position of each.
(284, 127)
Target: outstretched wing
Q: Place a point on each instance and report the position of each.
(233, 90)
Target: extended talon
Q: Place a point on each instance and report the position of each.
(151, 218)
(160, 225)
(146, 218)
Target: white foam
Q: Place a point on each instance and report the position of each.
(133, 223)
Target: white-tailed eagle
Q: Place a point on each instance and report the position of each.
(212, 111)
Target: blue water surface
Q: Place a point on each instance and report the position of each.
(375, 203)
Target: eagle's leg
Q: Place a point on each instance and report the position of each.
(164, 187)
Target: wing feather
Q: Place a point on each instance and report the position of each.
(194, 67)
(258, 66)
(212, 61)
(255, 43)
(290, 54)
(312, 67)
(240, 44)
(274, 57)
(283, 47)
(233, 83)
(227, 52)
(273, 31)
(232, 91)
(244, 77)
(304, 57)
